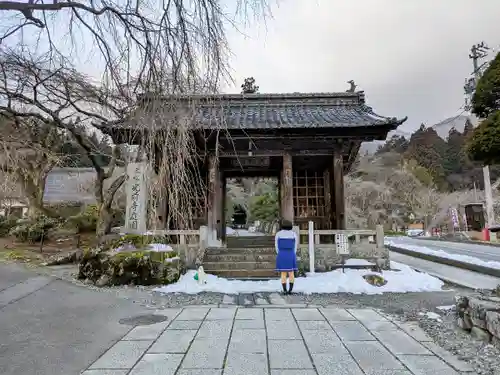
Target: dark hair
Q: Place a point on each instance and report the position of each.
(286, 225)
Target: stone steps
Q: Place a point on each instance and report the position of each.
(207, 266)
(236, 258)
(244, 274)
(241, 255)
(241, 263)
(240, 251)
(249, 241)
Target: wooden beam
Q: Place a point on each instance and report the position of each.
(328, 200)
(213, 176)
(287, 189)
(338, 188)
(223, 214)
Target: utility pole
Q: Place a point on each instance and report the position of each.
(479, 51)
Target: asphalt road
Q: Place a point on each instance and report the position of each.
(52, 327)
(484, 252)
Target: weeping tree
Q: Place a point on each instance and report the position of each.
(143, 55)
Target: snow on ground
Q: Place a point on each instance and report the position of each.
(402, 281)
(440, 253)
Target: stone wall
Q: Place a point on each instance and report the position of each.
(325, 255)
(480, 315)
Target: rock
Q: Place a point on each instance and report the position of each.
(480, 334)
(73, 257)
(126, 268)
(493, 323)
(477, 310)
(462, 324)
(495, 341)
(492, 299)
(375, 280)
(467, 322)
(461, 301)
(103, 280)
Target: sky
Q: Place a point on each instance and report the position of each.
(410, 57)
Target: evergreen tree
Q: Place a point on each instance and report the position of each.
(484, 143)
(397, 143)
(453, 155)
(428, 150)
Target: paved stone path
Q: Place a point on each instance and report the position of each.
(276, 341)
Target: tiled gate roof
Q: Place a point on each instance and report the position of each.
(271, 111)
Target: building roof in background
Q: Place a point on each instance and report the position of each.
(64, 185)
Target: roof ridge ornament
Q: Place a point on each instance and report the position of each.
(249, 87)
(353, 86)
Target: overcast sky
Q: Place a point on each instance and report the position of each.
(410, 57)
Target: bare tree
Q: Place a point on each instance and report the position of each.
(62, 100)
(148, 46)
(29, 149)
(140, 48)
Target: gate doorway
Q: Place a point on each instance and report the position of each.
(249, 200)
(239, 218)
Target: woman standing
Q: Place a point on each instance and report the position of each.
(286, 243)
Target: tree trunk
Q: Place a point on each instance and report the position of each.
(104, 221)
(34, 192)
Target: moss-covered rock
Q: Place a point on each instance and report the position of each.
(130, 267)
(375, 280)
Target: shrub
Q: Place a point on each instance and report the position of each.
(64, 210)
(6, 224)
(33, 230)
(85, 221)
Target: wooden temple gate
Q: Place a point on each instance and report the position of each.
(307, 141)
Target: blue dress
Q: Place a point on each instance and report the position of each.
(286, 248)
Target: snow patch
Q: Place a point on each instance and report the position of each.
(446, 308)
(402, 281)
(160, 247)
(431, 315)
(441, 253)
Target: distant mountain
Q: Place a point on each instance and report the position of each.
(442, 128)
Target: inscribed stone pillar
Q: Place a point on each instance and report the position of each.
(287, 189)
(137, 197)
(338, 188)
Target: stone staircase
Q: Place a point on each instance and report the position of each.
(245, 257)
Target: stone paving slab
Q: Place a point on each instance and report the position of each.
(277, 341)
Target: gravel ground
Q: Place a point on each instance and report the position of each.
(394, 303)
(485, 358)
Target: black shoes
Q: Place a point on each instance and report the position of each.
(289, 291)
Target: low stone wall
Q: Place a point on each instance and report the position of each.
(325, 256)
(480, 315)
